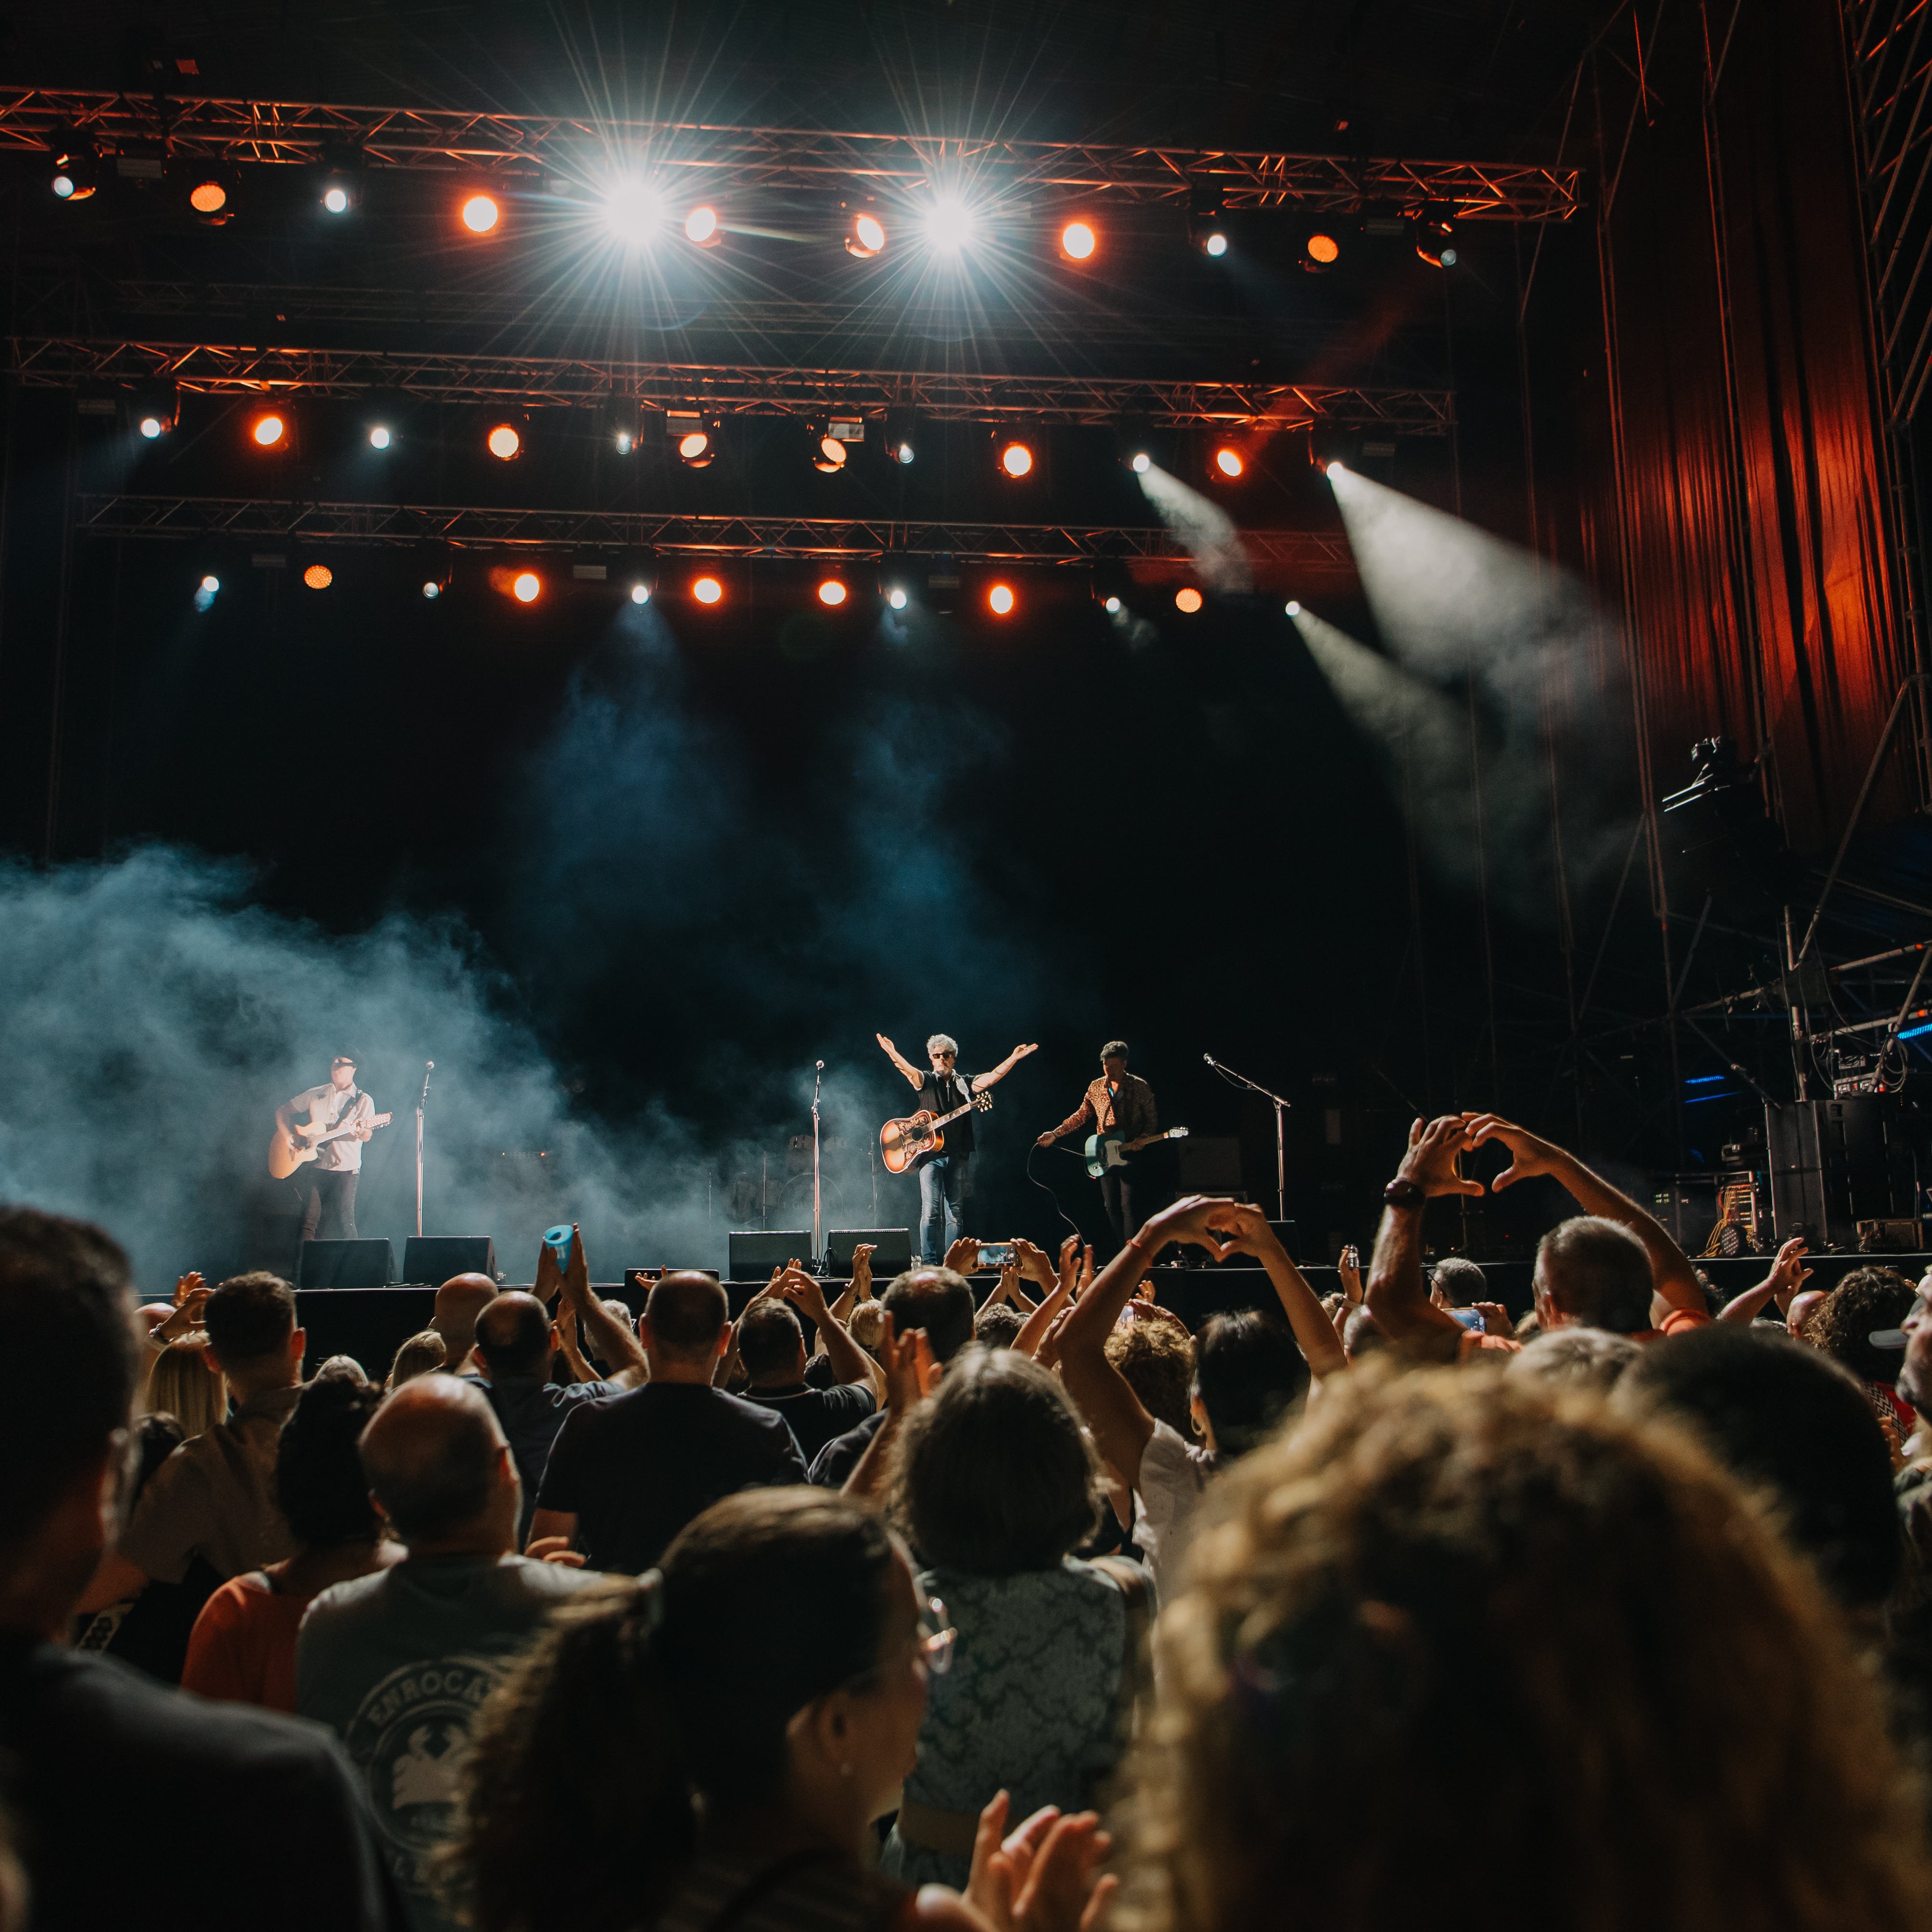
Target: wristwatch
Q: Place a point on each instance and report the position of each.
(1401, 1193)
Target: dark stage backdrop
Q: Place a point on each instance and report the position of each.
(1752, 490)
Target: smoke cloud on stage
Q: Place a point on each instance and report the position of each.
(1220, 559)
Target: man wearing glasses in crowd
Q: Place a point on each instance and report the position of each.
(945, 1176)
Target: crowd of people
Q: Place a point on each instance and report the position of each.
(1030, 1608)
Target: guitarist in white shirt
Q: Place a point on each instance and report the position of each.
(332, 1174)
(945, 1176)
(1119, 1101)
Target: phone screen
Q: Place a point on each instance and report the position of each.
(996, 1254)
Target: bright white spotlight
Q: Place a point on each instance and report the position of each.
(948, 225)
(336, 200)
(503, 442)
(150, 427)
(700, 226)
(633, 213)
(1334, 467)
(481, 213)
(1077, 241)
(1111, 607)
(211, 584)
(832, 592)
(708, 590)
(1228, 462)
(896, 598)
(1216, 244)
(865, 237)
(432, 590)
(1016, 460)
(1143, 463)
(379, 437)
(1000, 600)
(204, 595)
(267, 431)
(904, 453)
(1294, 609)
(527, 586)
(641, 593)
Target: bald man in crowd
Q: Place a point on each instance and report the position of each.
(459, 1301)
(397, 1670)
(627, 1473)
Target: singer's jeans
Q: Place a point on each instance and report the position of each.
(945, 1187)
(331, 1198)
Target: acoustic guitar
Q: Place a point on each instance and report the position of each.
(902, 1142)
(1111, 1149)
(286, 1153)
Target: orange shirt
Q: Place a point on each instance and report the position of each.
(243, 1646)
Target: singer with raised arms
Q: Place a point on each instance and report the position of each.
(946, 1173)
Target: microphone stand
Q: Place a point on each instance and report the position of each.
(817, 1250)
(1281, 1107)
(422, 1101)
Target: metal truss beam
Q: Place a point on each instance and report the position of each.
(219, 369)
(801, 538)
(561, 152)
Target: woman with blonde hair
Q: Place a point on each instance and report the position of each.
(1558, 1670)
(183, 1382)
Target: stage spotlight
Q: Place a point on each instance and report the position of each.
(708, 590)
(335, 198)
(696, 448)
(896, 598)
(481, 214)
(633, 213)
(432, 589)
(205, 592)
(1016, 460)
(318, 577)
(1293, 609)
(1435, 235)
(76, 169)
(1320, 250)
(1111, 607)
(379, 437)
(1187, 599)
(1229, 463)
(1207, 219)
(155, 414)
(865, 234)
(948, 225)
(1334, 466)
(831, 457)
(1077, 241)
(152, 427)
(268, 430)
(641, 593)
(701, 226)
(832, 592)
(526, 587)
(504, 442)
(1000, 600)
(901, 435)
(211, 584)
(212, 194)
(341, 190)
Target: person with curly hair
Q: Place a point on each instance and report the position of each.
(753, 1706)
(1861, 1325)
(243, 1646)
(1455, 1585)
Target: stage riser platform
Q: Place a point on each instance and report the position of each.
(370, 1324)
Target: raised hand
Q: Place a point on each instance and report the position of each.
(1530, 1153)
(1086, 1280)
(1199, 1221)
(963, 1257)
(1496, 1317)
(555, 1549)
(862, 1270)
(1433, 1151)
(189, 1284)
(1041, 1876)
(1069, 1263)
(907, 1362)
(887, 1045)
(799, 1287)
(1034, 1263)
(1348, 1267)
(1788, 1273)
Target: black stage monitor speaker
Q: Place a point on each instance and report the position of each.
(754, 1256)
(434, 1258)
(345, 1264)
(893, 1246)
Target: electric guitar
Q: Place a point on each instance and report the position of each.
(902, 1142)
(286, 1153)
(1111, 1149)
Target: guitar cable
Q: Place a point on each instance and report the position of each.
(1046, 1188)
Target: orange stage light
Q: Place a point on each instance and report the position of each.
(708, 590)
(1000, 600)
(1187, 598)
(1077, 241)
(268, 430)
(1016, 460)
(527, 588)
(481, 214)
(1228, 462)
(318, 577)
(504, 442)
(832, 591)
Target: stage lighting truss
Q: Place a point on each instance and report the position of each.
(154, 413)
(693, 435)
(833, 440)
(213, 193)
(865, 230)
(692, 539)
(75, 173)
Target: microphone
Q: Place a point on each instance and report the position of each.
(429, 1066)
(1210, 1060)
(820, 1065)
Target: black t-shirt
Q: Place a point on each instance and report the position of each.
(635, 1468)
(940, 1094)
(285, 1835)
(816, 1415)
(840, 1456)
